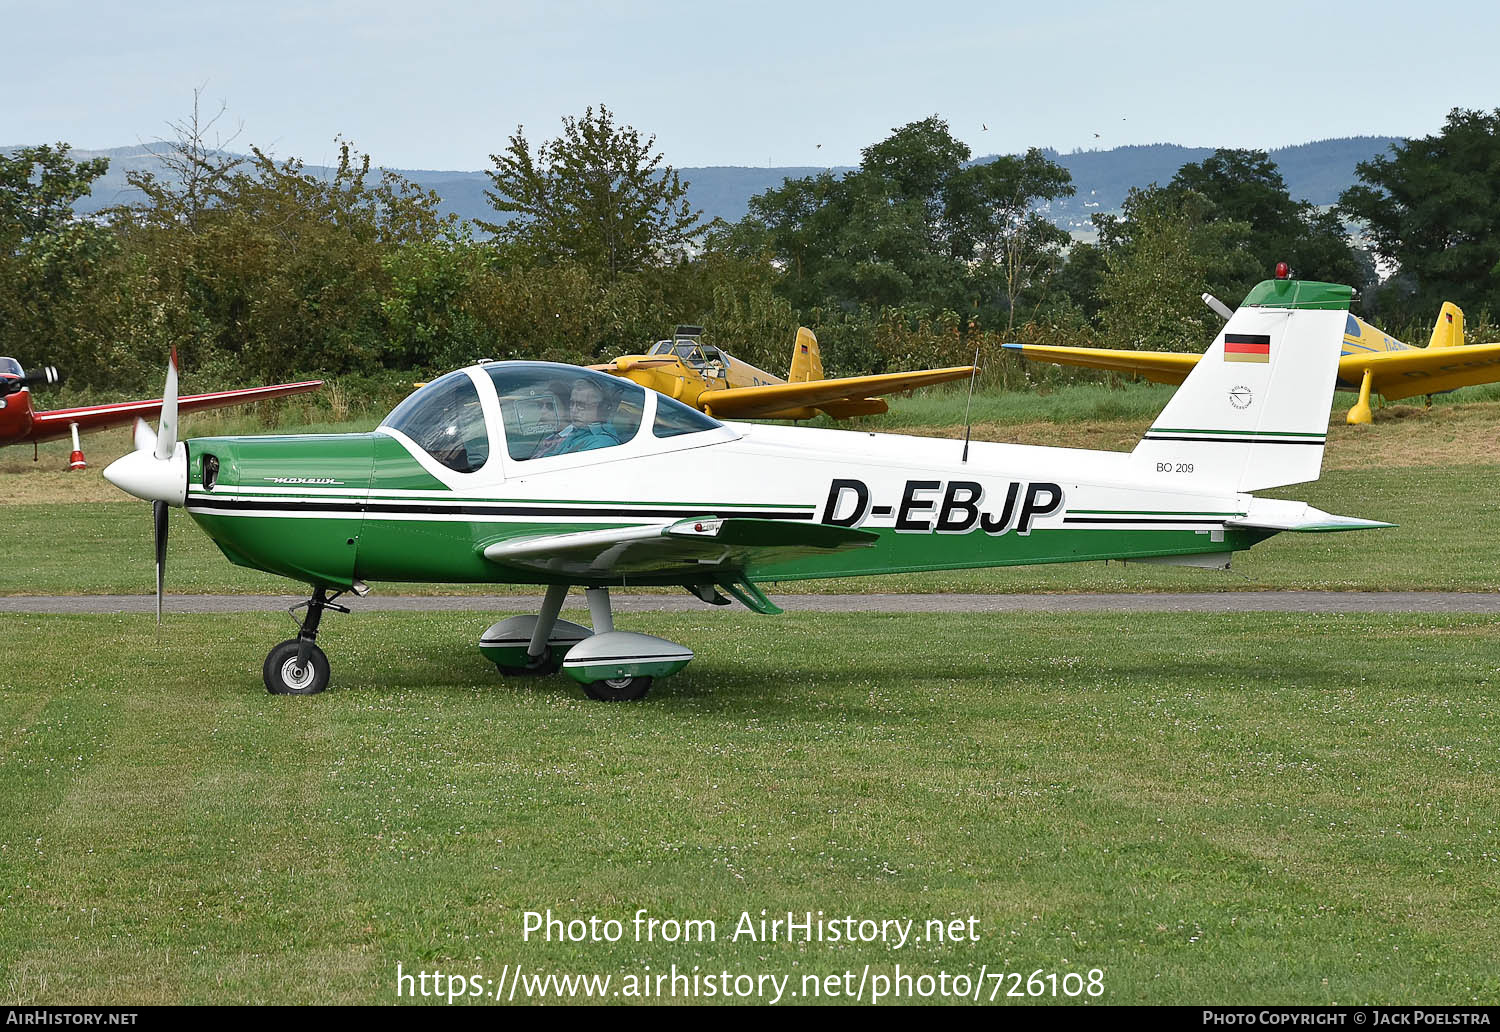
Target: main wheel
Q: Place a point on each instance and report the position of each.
(619, 689)
(538, 666)
(284, 676)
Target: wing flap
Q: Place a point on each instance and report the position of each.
(1157, 366)
(700, 549)
(762, 401)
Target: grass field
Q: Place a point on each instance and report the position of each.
(1253, 809)
(1234, 808)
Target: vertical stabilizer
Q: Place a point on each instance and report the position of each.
(807, 364)
(1449, 331)
(1253, 413)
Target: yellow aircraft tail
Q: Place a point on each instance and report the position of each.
(1449, 331)
(807, 364)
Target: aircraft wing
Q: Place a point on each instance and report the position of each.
(1402, 374)
(769, 399)
(627, 362)
(1158, 366)
(697, 550)
(47, 426)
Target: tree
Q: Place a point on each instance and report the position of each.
(1009, 234)
(914, 225)
(596, 195)
(196, 169)
(1246, 186)
(1433, 209)
(48, 255)
(1158, 257)
(273, 268)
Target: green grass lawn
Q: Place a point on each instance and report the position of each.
(1232, 809)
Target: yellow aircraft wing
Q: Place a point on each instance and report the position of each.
(1402, 374)
(776, 400)
(1158, 366)
(1394, 374)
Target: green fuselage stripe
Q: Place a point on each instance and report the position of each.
(336, 549)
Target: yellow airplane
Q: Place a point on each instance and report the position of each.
(1370, 360)
(709, 379)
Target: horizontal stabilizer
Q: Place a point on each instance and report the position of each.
(1299, 516)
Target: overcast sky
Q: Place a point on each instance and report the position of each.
(439, 84)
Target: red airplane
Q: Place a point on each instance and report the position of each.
(20, 422)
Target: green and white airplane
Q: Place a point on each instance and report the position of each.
(530, 472)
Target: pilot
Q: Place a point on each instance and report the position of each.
(588, 427)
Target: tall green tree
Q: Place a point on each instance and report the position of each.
(597, 195)
(914, 226)
(1162, 252)
(1246, 186)
(49, 257)
(1433, 209)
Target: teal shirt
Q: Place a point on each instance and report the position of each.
(587, 438)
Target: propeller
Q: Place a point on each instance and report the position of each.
(159, 517)
(157, 471)
(47, 376)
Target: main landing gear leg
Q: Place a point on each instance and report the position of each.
(599, 612)
(297, 666)
(538, 652)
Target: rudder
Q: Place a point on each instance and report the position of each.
(807, 364)
(1449, 330)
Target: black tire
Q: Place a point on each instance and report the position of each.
(539, 667)
(620, 689)
(283, 677)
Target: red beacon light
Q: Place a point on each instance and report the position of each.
(1283, 271)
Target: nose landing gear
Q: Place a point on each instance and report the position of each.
(297, 666)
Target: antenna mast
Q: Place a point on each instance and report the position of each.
(970, 404)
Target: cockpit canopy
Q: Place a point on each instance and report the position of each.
(446, 420)
(693, 352)
(10, 367)
(545, 410)
(560, 410)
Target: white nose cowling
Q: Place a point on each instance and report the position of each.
(142, 474)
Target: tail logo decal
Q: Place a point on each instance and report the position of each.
(1247, 347)
(1241, 397)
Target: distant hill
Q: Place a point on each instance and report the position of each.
(1315, 172)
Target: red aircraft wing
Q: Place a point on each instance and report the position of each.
(48, 426)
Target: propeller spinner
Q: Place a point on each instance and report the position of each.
(157, 471)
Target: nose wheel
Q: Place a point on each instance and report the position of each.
(288, 671)
(297, 666)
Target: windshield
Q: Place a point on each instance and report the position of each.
(445, 420)
(674, 419)
(561, 410)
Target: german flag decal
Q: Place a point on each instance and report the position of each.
(1247, 347)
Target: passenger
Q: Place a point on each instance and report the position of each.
(589, 426)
